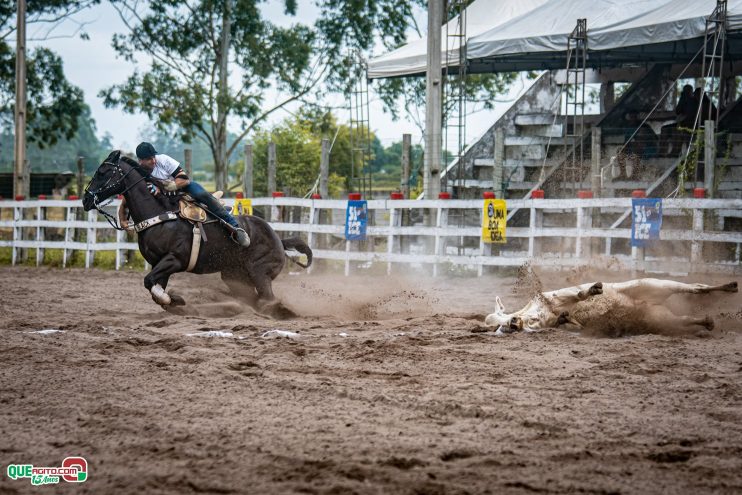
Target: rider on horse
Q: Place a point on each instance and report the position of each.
(171, 177)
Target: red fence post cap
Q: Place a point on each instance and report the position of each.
(354, 196)
(20, 197)
(638, 193)
(396, 195)
(316, 196)
(42, 196)
(444, 195)
(488, 195)
(277, 194)
(73, 197)
(699, 193)
(239, 195)
(538, 194)
(584, 194)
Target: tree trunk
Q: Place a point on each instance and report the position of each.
(220, 155)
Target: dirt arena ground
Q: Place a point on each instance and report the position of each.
(392, 387)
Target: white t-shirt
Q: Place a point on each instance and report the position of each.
(164, 167)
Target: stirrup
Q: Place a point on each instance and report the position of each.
(240, 237)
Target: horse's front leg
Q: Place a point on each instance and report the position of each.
(156, 280)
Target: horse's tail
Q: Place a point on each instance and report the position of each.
(299, 245)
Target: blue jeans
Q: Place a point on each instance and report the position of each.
(201, 195)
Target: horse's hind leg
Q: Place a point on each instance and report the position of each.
(240, 286)
(156, 280)
(269, 304)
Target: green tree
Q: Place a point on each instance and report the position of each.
(192, 45)
(63, 154)
(213, 61)
(54, 105)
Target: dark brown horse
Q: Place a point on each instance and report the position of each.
(248, 272)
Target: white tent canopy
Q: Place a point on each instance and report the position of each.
(611, 24)
(508, 35)
(481, 15)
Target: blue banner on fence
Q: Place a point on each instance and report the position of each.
(646, 221)
(356, 216)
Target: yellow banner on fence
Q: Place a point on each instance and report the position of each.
(242, 207)
(494, 218)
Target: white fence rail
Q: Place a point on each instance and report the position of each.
(557, 233)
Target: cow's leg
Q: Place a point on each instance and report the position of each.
(656, 291)
(662, 319)
(156, 280)
(563, 298)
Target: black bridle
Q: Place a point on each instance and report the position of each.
(108, 186)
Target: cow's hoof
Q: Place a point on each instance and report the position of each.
(597, 288)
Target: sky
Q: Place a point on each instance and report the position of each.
(93, 65)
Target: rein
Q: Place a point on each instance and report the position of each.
(99, 205)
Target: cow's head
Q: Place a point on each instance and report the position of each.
(529, 318)
(537, 315)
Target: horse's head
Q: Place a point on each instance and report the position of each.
(107, 181)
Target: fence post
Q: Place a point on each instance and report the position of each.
(91, 238)
(392, 241)
(499, 162)
(69, 233)
(696, 246)
(324, 169)
(709, 158)
(188, 159)
(271, 168)
(247, 176)
(404, 185)
(17, 233)
(40, 234)
(314, 220)
(120, 252)
(439, 246)
(535, 223)
(596, 141)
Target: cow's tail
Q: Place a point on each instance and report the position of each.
(297, 244)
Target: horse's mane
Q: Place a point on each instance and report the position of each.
(134, 164)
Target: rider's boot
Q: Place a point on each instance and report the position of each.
(240, 237)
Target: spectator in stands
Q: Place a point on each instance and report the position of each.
(672, 135)
(708, 109)
(641, 143)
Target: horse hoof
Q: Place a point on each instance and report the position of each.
(176, 300)
(278, 311)
(596, 289)
(160, 296)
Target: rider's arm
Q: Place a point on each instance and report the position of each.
(180, 180)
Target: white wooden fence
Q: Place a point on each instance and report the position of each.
(440, 246)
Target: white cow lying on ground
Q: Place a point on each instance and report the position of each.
(633, 306)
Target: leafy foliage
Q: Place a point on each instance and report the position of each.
(187, 88)
(62, 156)
(54, 105)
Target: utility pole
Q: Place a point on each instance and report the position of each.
(432, 166)
(225, 41)
(21, 176)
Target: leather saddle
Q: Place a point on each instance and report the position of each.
(192, 211)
